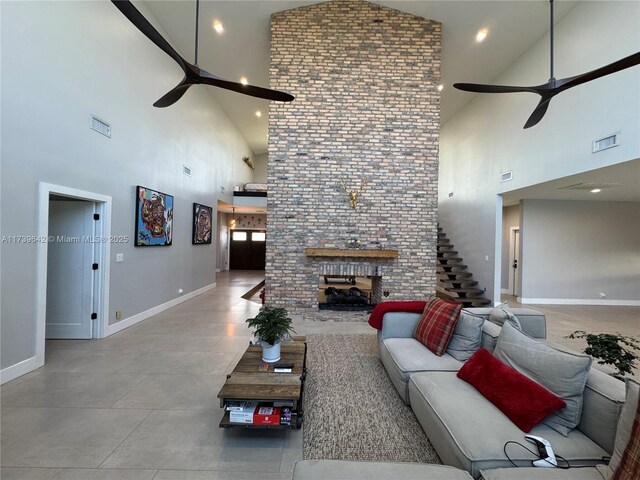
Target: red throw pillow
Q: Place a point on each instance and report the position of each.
(522, 400)
(436, 326)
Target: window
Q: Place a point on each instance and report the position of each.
(258, 236)
(239, 236)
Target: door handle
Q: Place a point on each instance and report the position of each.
(515, 264)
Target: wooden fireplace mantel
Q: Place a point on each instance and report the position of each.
(350, 252)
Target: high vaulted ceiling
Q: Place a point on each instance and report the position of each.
(243, 48)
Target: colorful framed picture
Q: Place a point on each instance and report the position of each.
(154, 218)
(202, 224)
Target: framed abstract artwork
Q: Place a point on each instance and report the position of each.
(202, 224)
(154, 218)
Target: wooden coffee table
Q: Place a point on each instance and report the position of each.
(247, 382)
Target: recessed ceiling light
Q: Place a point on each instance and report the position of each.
(596, 190)
(481, 35)
(217, 26)
(258, 113)
(440, 87)
(244, 81)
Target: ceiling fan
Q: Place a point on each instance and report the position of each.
(553, 87)
(193, 75)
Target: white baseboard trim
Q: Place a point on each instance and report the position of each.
(578, 301)
(19, 369)
(139, 317)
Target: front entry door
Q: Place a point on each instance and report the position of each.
(248, 250)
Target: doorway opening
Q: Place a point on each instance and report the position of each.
(74, 230)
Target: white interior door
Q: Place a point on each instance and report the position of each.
(223, 251)
(70, 276)
(516, 262)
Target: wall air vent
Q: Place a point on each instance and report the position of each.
(186, 170)
(100, 126)
(506, 176)
(606, 142)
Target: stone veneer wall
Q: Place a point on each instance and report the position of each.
(366, 109)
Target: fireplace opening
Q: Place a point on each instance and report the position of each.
(345, 292)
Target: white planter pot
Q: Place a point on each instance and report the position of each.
(270, 353)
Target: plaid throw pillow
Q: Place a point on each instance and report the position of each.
(436, 326)
(629, 466)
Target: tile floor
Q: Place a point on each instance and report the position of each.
(141, 404)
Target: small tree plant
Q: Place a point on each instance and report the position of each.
(612, 349)
(271, 325)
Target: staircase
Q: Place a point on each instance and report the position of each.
(455, 283)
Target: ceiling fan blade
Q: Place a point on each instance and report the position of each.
(173, 95)
(539, 111)
(627, 62)
(142, 24)
(480, 88)
(252, 90)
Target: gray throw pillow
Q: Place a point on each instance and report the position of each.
(564, 373)
(502, 313)
(466, 337)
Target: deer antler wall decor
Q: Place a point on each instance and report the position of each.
(353, 195)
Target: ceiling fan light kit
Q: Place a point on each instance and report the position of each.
(193, 75)
(553, 87)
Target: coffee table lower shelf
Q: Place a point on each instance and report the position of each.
(296, 422)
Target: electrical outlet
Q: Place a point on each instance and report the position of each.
(119, 257)
(118, 314)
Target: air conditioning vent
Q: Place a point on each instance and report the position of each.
(506, 176)
(100, 126)
(186, 170)
(606, 142)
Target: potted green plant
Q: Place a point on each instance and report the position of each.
(612, 349)
(271, 326)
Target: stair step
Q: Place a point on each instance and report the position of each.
(449, 260)
(455, 277)
(443, 242)
(477, 302)
(444, 247)
(467, 291)
(447, 252)
(457, 283)
(459, 266)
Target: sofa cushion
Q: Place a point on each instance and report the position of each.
(470, 432)
(502, 313)
(403, 356)
(561, 372)
(521, 399)
(437, 324)
(625, 424)
(349, 470)
(466, 336)
(533, 473)
(601, 406)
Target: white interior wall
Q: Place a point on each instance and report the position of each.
(486, 138)
(260, 164)
(510, 219)
(61, 63)
(580, 252)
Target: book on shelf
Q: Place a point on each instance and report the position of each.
(237, 405)
(245, 415)
(266, 415)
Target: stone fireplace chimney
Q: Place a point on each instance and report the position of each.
(367, 112)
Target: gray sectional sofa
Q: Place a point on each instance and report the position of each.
(467, 431)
